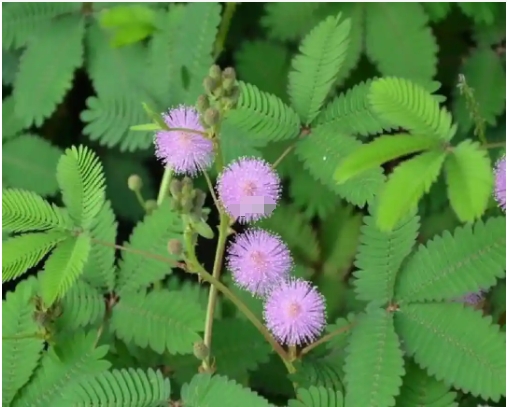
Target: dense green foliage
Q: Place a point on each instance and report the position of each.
(386, 154)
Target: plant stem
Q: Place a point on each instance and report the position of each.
(211, 190)
(489, 146)
(230, 8)
(164, 185)
(202, 133)
(325, 338)
(283, 155)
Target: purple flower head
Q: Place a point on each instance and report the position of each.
(184, 152)
(258, 260)
(473, 298)
(249, 189)
(295, 312)
(500, 182)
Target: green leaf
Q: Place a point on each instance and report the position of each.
(74, 358)
(374, 365)
(324, 149)
(380, 255)
(11, 123)
(43, 79)
(130, 34)
(262, 116)
(24, 211)
(20, 253)
(217, 391)
(317, 397)
(21, 346)
(409, 105)
(480, 13)
(450, 266)
(151, 235)
(400, 42)
(469, 180)
(126, 387)
(63, 267)
(126, 15)
(437, 11)
(161, 320)
(440, 338)
(81, 178)
(315, 69)
(146, 127)
(29, 162)
(421, 390)
(381, 150)
(405, 187)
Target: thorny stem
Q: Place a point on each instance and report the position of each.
(325, 339)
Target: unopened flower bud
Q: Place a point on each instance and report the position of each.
(187, 186)
(134, 182)
(210, 85)
(176, 205)
(229, 73)
(215, 72)
(175, 188)
(202, 103)
(228, 84)
(211, 116)
(186, 204)
(174, 247)
(150, 205)
(201, 351)
(200, 198)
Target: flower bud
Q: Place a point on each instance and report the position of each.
(199, 199)
(211, 116)
(150, 205)
(176, 205)
(174, 247)
(210, 85)
(215, 72)
(134, 182)
(201, 351)
(228, 84)
(186, 204)
(202, 103)
(187, 186)
(229, 73)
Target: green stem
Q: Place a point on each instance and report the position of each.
(489, 146)
(230, 8)
(164, 185)
(325, 339)
(202, 133)
(140, 198)
(211, 190)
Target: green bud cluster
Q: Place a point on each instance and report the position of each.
(187, 200)
(221, 94)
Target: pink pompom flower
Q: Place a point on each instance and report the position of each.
(249, 189)
(258, 260)
(500, 183)
(295, 312)
(185, 152)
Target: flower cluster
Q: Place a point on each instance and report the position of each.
(260, 262)
(500, 183)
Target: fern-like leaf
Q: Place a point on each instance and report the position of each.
(151, 235)
(457, 345)
(380, 151)
(119, 388)
(63, 267)
(400, 42)
(25, 251)
(409, 105)
(450, 266)
(11, 123)
(217, 391)
(380, 256)
(82, 305)
(469, 180)
(21, 345)
(75, 358)
(43, 80)
(162, 320)
(314, 70)
(324, 149)
(317, 397)
(29, 162)
(81, 178)
(24, 211)
(374, 365)
(262, 116)
(351, 113)
(100, 269)
(421, 390)
(406, 186)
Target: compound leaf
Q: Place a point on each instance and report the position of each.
(317, 397)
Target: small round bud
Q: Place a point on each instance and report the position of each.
(175, 188)
(228, 84)
(215, 72)
(211, 116)
(135, 182)
(229, 73)
(174, 247)
(202, 103)
(201, 351)
(210, 85)
(150, 205)
(199, 199)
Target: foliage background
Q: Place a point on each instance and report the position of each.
(72, 86)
